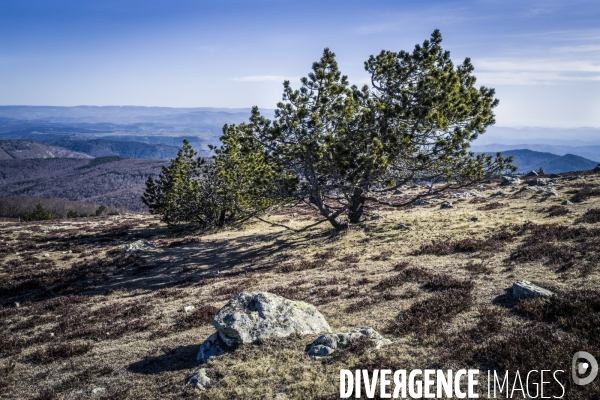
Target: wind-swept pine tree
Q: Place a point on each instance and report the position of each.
(415, 123)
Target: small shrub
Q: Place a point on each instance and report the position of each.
(383, 256)
(200, 316)
(414, 274)
(446, 282)
(585, 192)
(492, 206)
(590, 217)
(302, 265)
(556, 211)
(425, 317)
(60, 351)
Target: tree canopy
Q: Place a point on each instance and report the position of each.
(415, 122)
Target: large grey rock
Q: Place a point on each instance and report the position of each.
(249, 317)
(509, 180)
(199, 380)
(213, 346)
(527, 290)
(329, 343)
(139, 245)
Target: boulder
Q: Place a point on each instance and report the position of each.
(532, 173)
(249, 317)
(509, 180)
(527, 290)
(597, 168)
(329, 343)
(473, 219)
(446, 205)
(139, 245)
(498, 193)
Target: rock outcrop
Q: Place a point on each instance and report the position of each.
(509, 180)
(330, 342)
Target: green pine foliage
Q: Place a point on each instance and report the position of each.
(239, 182)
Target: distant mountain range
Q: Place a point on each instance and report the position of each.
(591, 152)
(26, 149)
(528, 160)
(151, 125)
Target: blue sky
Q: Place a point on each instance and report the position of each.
(543, 57)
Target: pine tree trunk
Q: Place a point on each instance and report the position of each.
(356, 209)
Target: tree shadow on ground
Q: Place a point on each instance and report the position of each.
(179, 266)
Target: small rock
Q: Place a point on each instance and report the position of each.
(473, 219)
(397, 192)
(199, 380)
(16, 304)
(445, 205)
(566, 203)
(98, 391)
(46, 255)
(188, 308)
(527, 290)
(139, 245)
(330, 342)
(464, 195)
(498, 193)
(550, 192)
(509, 180)
(424, 202)
(213, 346)
(532, 173)
(403, 227)
(375, 217)
(280, 396)
(541, 181)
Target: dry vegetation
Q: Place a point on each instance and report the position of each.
(91, 317)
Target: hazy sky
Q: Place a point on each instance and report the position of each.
(543, 57)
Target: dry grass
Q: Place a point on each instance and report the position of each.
(91, 316)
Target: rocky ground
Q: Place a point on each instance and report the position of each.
(81, 317)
